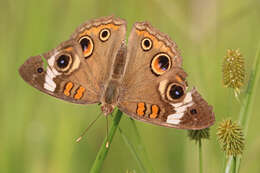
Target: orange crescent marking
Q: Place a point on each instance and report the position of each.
(140, 109)
(157, 67)
(157, 44)
(79, 93)
(88, 50)
(178, 78)
(155, 111)
(68, 88)
(69, 49)
(96, 30)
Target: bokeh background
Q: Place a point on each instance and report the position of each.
(38, 132)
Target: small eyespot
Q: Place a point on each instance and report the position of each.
(87, 46)
(63, 62)
(160, 64)
(193, 111)
(40, 70)
(146, 44)
(175, 91)
(104, 34)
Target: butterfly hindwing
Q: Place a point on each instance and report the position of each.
(63, 77)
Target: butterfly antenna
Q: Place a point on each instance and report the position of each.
(91, 124)
(107, 144)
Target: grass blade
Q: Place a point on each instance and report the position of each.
(96, 167)
(133, 151)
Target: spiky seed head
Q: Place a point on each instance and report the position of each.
(198, 134)
(234, 70)
(231, 137)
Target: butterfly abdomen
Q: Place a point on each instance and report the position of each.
(110, 97)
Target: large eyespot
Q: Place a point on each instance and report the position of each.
(146, 44)
(63, 62)
(104, 34)
(87, 46)
(160, 64)
(174, 91)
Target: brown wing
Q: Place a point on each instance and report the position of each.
(104, 37)
(154, 87)
(77, 69)
(65, 76)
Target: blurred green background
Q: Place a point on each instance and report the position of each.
(38, 132)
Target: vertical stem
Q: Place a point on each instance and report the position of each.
(234, 164)
(133, 151)
(245, 111)
(224, 162)
(200, 157)
(229, 164)
(96, 167)
(141, 149)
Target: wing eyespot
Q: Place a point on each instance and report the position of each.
(146, 44)
(40, 70)
(104, 34)
(160, 64)
(193, 112)
(175, 92)
(63, 62)
(87, 46)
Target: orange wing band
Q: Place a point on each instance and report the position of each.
(140, 109)
(68, 88)
(155, 111)
(79, 93)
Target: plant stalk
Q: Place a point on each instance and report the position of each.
(234, 165)
(141, 149)
(200, 157)
(97, 165)
(245, 111)
(133, 151)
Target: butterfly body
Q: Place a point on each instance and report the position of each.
(143, 78)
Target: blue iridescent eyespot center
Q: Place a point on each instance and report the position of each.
(176, 92)
(193, 111)
(40, 70)
(63, 61)
(163, 62)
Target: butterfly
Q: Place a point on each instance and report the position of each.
(144, 77)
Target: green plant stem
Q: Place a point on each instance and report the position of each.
(234, 164)
(246, 108)
(133, 151)
(96, 167)
(141, 149)
(200, 157)
(224, 162)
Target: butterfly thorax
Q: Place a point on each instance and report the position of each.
(111, 93)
